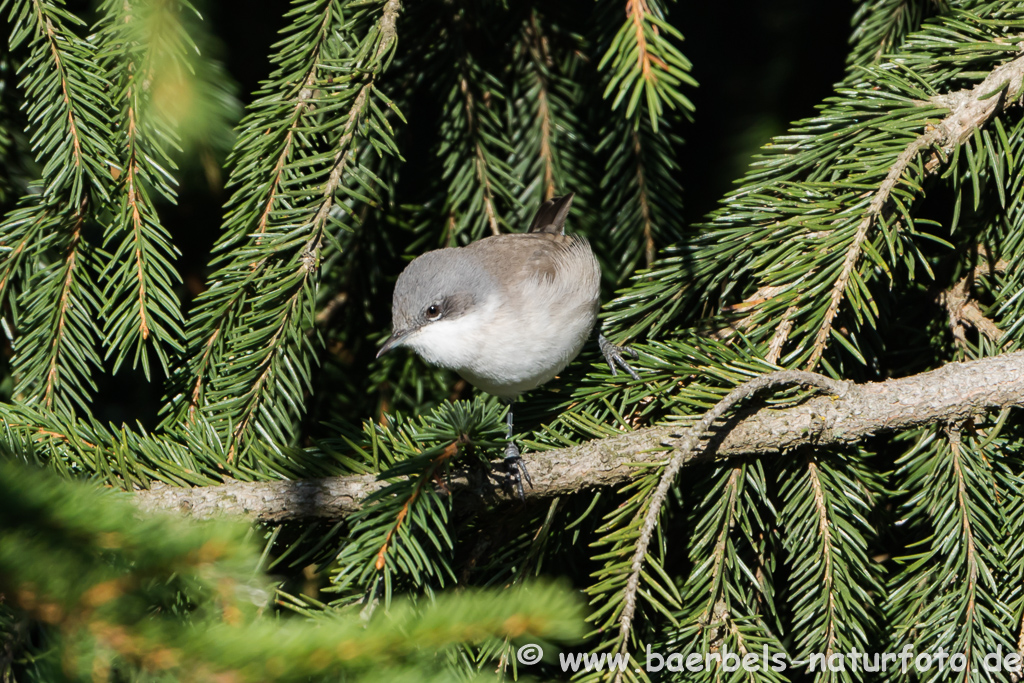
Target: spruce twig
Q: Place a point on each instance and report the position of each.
(683, 450)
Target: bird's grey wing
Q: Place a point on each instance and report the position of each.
(551, 216)
(522, 256)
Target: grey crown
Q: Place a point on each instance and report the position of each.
(439, 278)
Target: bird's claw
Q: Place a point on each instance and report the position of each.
(614, 356)
(517, 469)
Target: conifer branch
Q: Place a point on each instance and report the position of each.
(67, 106)
(127, 575)
(475, 147)
(713, 604)
(544, 93)
(636, 10)
(202, 366)
(302, 103)
(763, 525)
(646, 64)
(133, 189)
(146, 53)
(782, 331)
(644, 69)
(24, 229)
(67, 109)
(386, 537)
(544, 114)
(684, 449)
(960, 489)
(827, 501)
(539, 55)
(480, 164)
(953, 392)
(306, 266)
(966, 526)
(881, 25)
(58, 343)
(969, 111)
(640, 193)
(60, 320)
(219, 313)
(821, 509)
(644, 201)
(248, 341)
(47, 28)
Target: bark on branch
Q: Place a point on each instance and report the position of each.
(951, 393)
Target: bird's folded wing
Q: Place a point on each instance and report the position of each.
(540, 255)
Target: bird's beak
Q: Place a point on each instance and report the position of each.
(394, 340)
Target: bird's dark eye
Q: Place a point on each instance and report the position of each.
(433, 312)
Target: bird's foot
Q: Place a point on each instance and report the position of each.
(615, 356)
(517, 469)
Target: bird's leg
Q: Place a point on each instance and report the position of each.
(513, 461)
(615, 355)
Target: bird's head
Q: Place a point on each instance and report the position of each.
(433, 294)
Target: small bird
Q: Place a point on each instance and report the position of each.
(507, 312)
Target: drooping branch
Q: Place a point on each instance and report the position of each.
(686, 447)
(951, 393)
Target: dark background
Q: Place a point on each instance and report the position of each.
(760, 66)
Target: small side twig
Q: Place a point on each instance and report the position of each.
(963, 309)
(683, 449)
(782, 331)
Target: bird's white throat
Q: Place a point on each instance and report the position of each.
(502, 351)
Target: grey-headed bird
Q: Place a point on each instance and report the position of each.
(507, 312)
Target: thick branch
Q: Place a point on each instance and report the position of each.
(953, 392)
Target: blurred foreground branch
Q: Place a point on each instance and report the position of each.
(951, 393)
